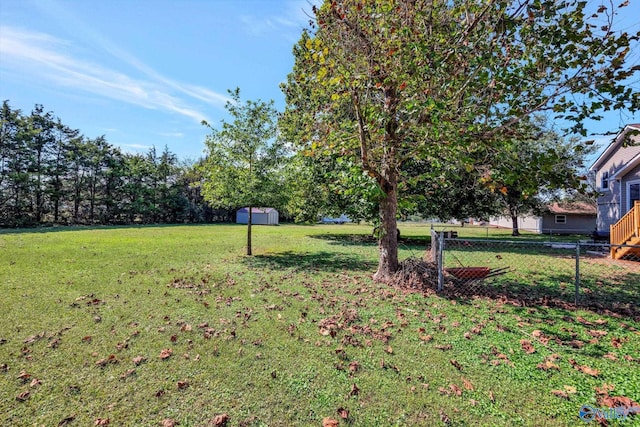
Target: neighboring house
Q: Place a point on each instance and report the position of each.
(556, 218)
(259, 216)
(617, 174)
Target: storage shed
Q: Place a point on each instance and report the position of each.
(259, 216)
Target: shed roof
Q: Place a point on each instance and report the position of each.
(256, 210)
(576, 208)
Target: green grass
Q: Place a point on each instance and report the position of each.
(281, 338)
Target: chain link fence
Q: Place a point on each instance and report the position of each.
(580, 273)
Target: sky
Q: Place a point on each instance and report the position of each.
(146, 72)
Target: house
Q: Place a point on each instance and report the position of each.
(259, 216)
(556, 218)
(617, 174)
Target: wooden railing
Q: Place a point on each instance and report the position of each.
(627, 227)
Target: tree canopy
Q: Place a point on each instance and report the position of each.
(244, 159)
(386, 82)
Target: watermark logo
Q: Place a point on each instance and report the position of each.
(589, 413)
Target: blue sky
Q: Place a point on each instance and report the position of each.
(146, 73)
(142, 72)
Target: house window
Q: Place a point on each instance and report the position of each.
(561, 219)
(605, 180)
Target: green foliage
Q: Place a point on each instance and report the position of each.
(244, 157)
(528, 173)
(50, 173)
(387, 82)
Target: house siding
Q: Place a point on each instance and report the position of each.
(611, 202)
(528, 223)
(633, 175)
(576, 224)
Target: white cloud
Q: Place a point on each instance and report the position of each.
(289, 22)
(45, 58)
(172, 134)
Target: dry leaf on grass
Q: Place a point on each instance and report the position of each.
(165, 353)
(329, 422)
(527, 346)
(23, 396)
(138, 360)
(219, 420)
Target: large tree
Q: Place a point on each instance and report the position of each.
(387, 81)
(531, 171)
(244, 159)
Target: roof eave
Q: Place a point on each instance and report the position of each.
(613, 146)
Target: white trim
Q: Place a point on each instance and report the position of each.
(561, 222)
(613, 145)
(635, 161)
(628, 201)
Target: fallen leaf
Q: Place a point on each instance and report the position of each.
(127, 374)
(354, 390)
(455, 389)
(443, 347)
(169, 422)
(587, 370)
(138, 360)
(329, 422)
(219, 420)
(527, 346)
(344, 413)
(617, 342)
(444, 417)
(101, 422)
(165, 353)
(23, 396)
(597, 333)
(560, 393)
(182, 384)
(455, 363)
(66, 421)
(354, 366)
(35, 382)
(605, 389)
(467, 384)
(24, 376)
(547, 365)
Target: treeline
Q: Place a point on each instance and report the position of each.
(52, 174)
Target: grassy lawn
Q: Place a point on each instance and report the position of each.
(143, 324)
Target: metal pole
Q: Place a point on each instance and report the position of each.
(577, 271)
(440, 261)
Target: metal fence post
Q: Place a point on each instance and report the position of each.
(577, 272)
(440, 257)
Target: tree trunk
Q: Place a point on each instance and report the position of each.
(514, 222)
(388, 240)
(249, 231)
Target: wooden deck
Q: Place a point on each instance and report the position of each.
(626, 232)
